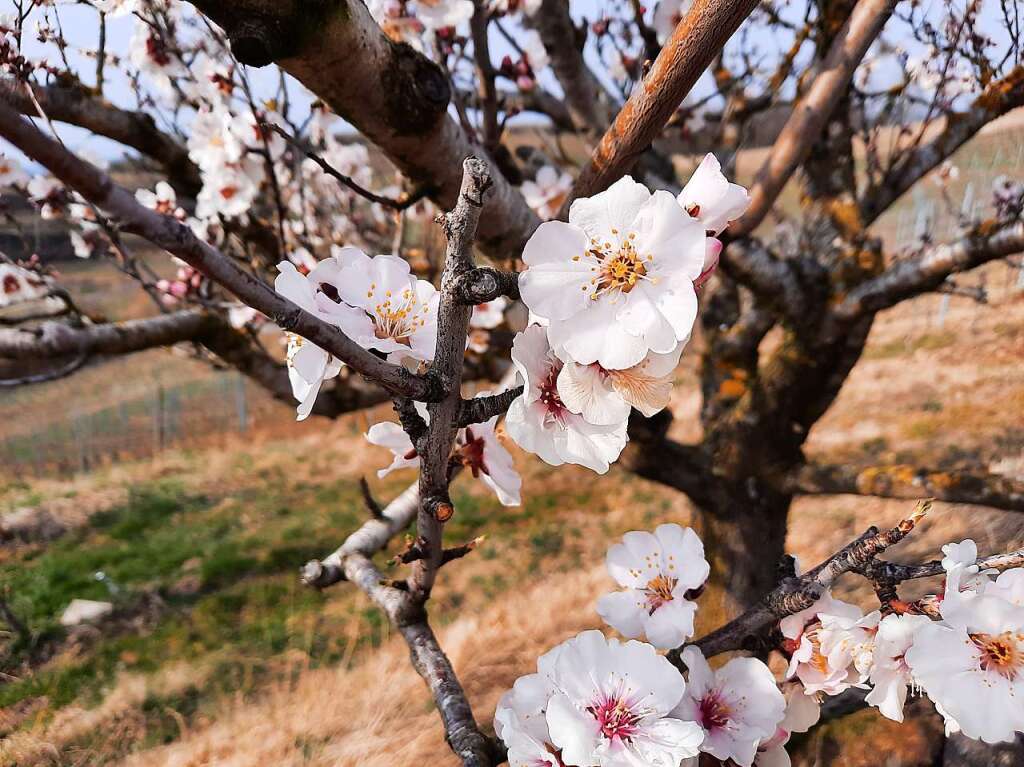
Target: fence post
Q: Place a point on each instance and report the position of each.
(241, 405)
(158, 420)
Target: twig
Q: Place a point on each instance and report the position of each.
(402, 203)
(484, 283)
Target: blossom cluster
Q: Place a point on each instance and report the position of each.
(598, 702)
(612, 299)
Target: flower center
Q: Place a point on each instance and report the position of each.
(398, 319)
(659, 591)
(11, 284)
(615, 718)
(619, 267)
(1000, 653)
(472, 454)
(549, 397)
(714, 712)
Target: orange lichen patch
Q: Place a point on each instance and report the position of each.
(732, 388)
(995, 96)
(845, 213)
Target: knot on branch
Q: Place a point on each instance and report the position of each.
(484, 283)
(258, 42)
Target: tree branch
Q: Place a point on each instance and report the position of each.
(452, 328)
(811, 113)
(902, 481)
(480, 409)
(989, 241)
(696, 41)
(75, 106)
(58, 339)
(178, 239)
(998, 98)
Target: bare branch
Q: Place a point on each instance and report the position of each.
(902, 481)
(988, 241)
(998, 98)
(76, 106)
(811, 113)
(796, 594)
(452, 328)
(57, 339)
(483, 284)
(402, 203)
(480, 409)
(178, 239)
(696, 41)
(373, 536)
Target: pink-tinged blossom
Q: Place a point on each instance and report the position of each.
(656, 570)
(737, 705)
(606, 396)
(477, 447)
(163, 200)
(711, 198)
(611, 705)
(808, 663)
(971, 665)
(481, 452)
(540, 423)
(802, 713)
(18, 285)
(616, 281)
(548, 190)
(50, 195)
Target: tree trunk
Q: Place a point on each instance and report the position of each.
(744, 533)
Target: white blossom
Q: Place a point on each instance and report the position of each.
(402, 309)
(616, 282)
(489, 315)
(737, 705)
(848, 641)
(440, 14)
(890, 674)
(971, 664)
(11, 173)
(711, 198)
(656, 570)
(538, 420)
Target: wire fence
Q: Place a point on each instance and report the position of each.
(141, 427)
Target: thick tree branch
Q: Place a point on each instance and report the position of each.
(811, 113)
(392, 94)
(988, 241)
(652, 455)
(57, 339)
(76, 106)
(178, 239)
(696, 41)
(902, 481)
